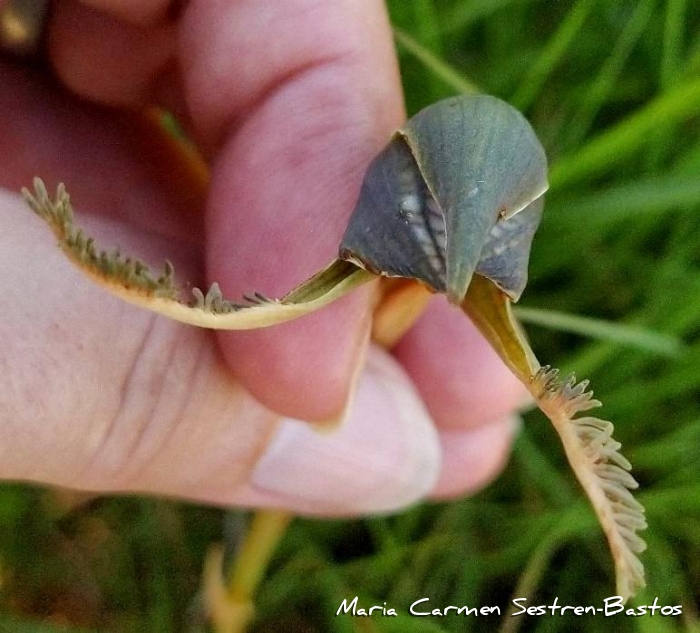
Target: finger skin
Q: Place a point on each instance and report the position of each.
(472, 458)
(290, 101)
(326, 96)
(344, 472)
(268, 233)
(142, 13)
(103, 396)
(106, 59)
(106, 158)
(100, 396)
(220, 110)
(462, 380)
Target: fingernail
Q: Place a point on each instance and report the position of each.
(382, 457)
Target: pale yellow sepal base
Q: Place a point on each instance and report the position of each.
(402, 302)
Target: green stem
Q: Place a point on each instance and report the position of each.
(230, 604)
(264, 534)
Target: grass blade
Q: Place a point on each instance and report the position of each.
(552, 54)
(602, 86)
(604, 151)
(453, 78)
(631, 336)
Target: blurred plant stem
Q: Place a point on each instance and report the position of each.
(229, 598)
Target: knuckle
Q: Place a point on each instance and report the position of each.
(150, 399)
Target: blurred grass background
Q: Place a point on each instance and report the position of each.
(613, 90)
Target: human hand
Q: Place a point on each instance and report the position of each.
(289, 102)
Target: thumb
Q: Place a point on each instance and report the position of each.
(384, 456)
(101, 396)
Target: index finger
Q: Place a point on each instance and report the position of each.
(297, 97)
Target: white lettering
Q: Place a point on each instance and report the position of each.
(555, 605)
(490, 610)
(418, 602)
(613, 602)
(517, 602)
(345, 607)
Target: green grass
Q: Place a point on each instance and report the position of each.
(613, 90)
